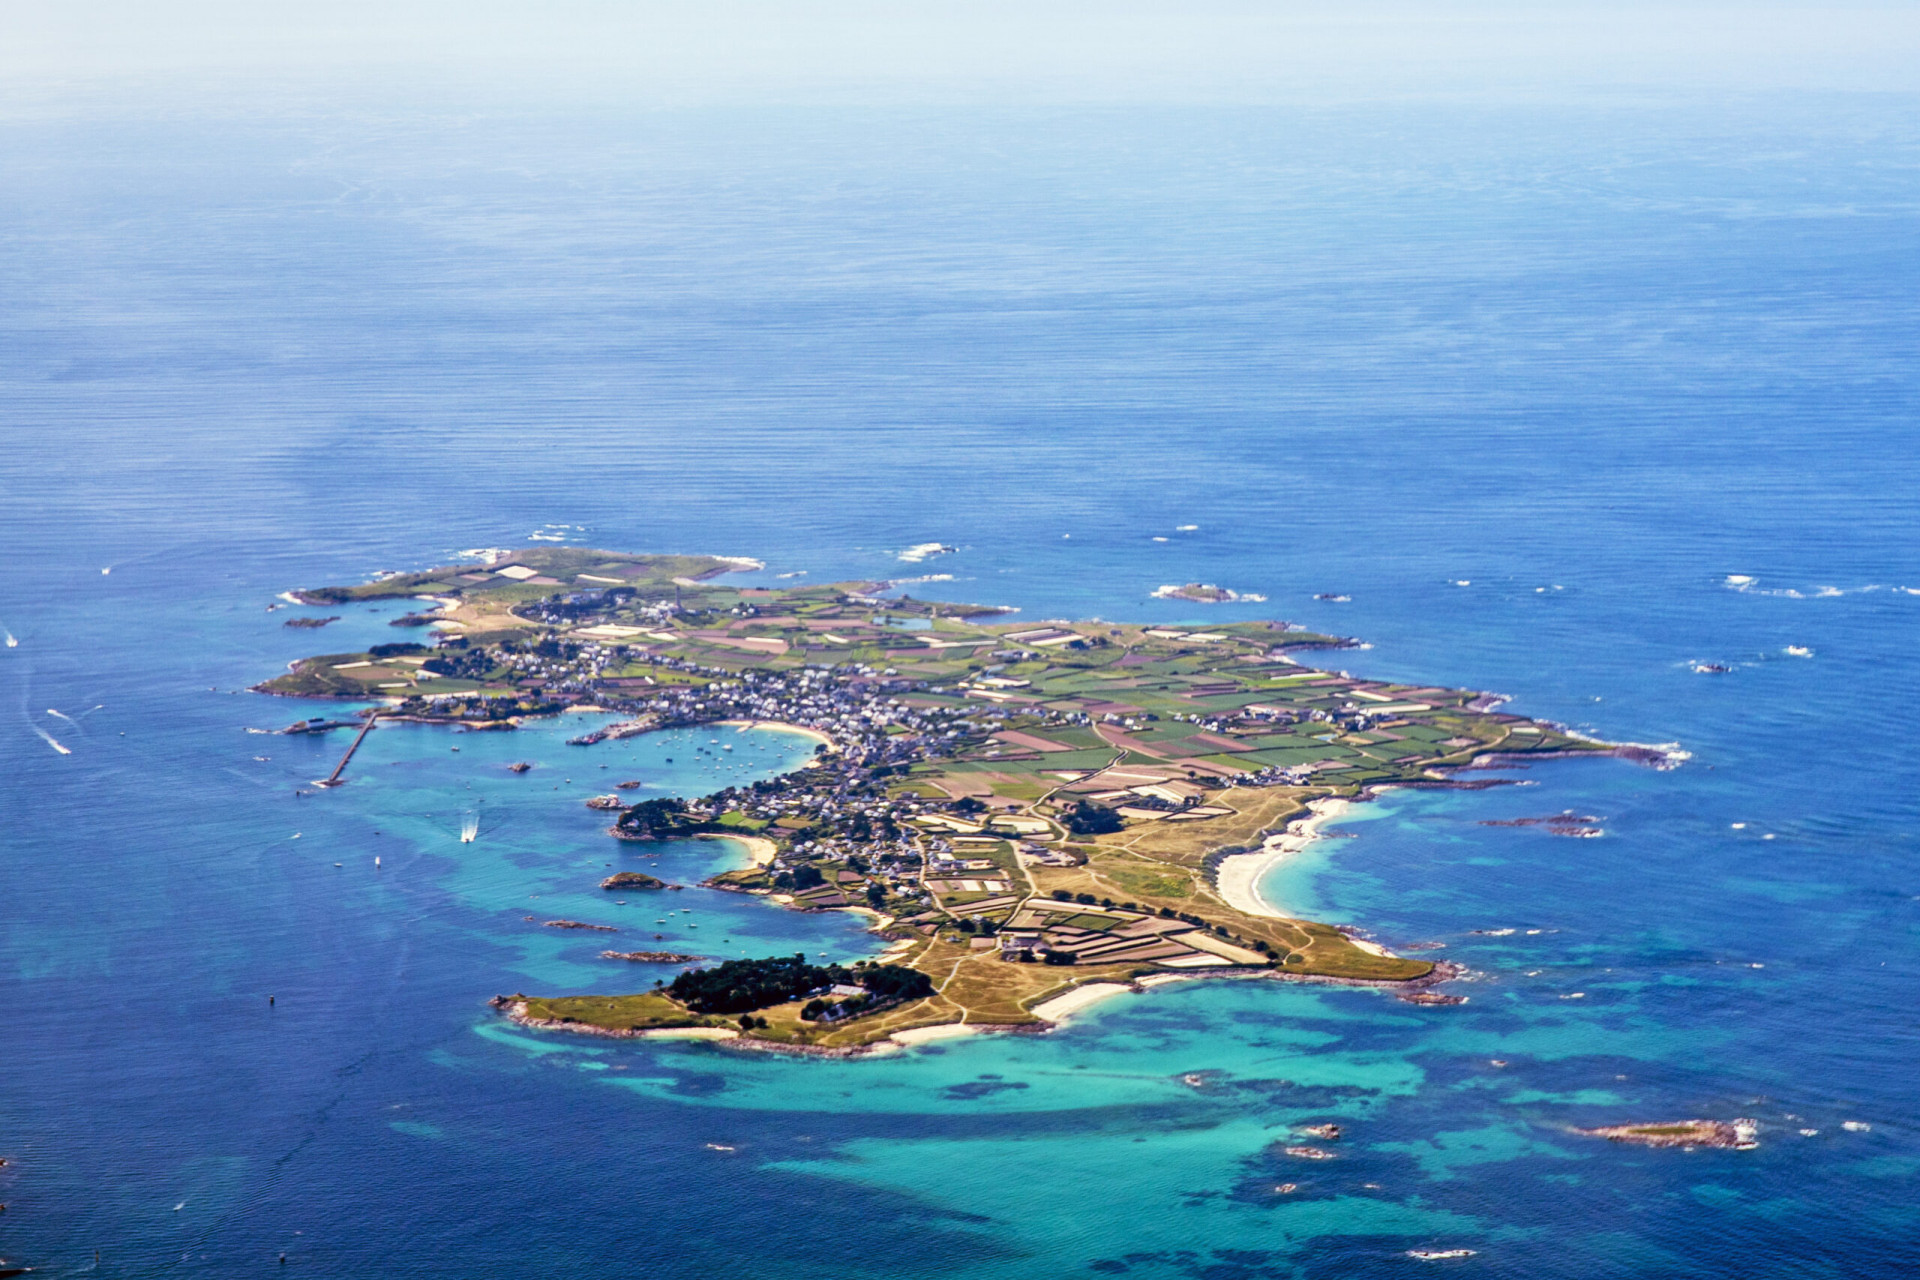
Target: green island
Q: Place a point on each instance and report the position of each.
(1027, 809)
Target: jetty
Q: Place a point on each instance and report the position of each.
(333, 779)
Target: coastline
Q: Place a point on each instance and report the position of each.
(1057, 1010)
(863, 750)
(782, 726)
(1238, 877)
(760, 849)
(1054, 1013)
(514, 1009)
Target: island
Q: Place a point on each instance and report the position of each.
(632, 880)
(1031, 812)
(1735, 1135)
(1206, 593)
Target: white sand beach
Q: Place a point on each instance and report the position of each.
(759, 848)
(1239, 876)
(1060, 1007)
(781, 726)
(945, 1031)
(689, 1033)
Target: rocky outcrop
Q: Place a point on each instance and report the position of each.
(632, 880)
(1737, 1135)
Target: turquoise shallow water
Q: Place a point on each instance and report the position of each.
(1588, 363)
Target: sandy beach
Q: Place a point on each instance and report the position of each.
(1239, 876)
(1067, 1003)
(689, 1033)
(945, 1031)
(759, 848)
(781, 726)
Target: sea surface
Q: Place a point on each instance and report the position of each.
(1566, 399)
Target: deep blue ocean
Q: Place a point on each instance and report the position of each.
(1568, 399)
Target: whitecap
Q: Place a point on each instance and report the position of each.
(1750, 585)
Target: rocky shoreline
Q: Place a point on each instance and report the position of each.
(1443, 971)
(514, 1007)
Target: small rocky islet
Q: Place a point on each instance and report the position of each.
(1735, 1135)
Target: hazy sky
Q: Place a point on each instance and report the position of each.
(909, 50)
